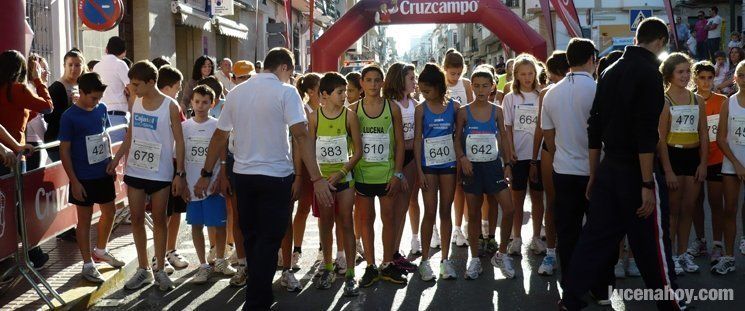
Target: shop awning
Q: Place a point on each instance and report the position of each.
(231, 28)
(188, 16)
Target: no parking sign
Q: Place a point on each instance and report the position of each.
(100, 15)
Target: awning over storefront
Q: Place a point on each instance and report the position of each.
(188, 16)
(231, 28)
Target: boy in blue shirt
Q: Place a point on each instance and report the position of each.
(85, 151)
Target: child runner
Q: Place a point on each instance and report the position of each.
(731, 141)
(435, 159)
(85, 150)
(520, 116)
(459, 88)
(479, 138)
(398, 86)
(332, 127)
(149, 147)
(378, 174)
(204, 209)
(683, 126)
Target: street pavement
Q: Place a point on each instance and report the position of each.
(528, 291)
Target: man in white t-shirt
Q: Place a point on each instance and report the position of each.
(262, 113)
(225, 75)
(714, 36)
(113, 71)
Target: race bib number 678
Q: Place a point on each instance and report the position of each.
(144, 155)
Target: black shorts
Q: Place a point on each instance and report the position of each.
(149, 186)
(488, 178)
(684, 161)
(521, 176)
(229, 162)
(175, 205)
(438, 171)
(714, 173)
(98, 191)
(408, 157)
(371, 190)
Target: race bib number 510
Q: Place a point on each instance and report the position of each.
(376, 147)
(144, 155)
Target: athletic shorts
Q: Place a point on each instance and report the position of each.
(149, 186)
(371, 190)
(488, 178)
(684, 161)
(229, 161)
(408, 157)
(175, 205)
(438, 171)
(98, 191)
(714, 173)
(210, 212)
(521, 176)
(315, 208)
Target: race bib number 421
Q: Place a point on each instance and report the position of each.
(144, 155)
(97, 147)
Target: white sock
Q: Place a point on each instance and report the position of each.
(99, 252)
(457, 228)
(484, 227)
(415, 237)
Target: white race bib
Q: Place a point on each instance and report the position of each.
(526, 118)
(408, 127)
(98, 148)
(684, 119)
(738, 130)
(196, 149)
(144, 155)
(481, 147)
(439, 150)
(332, 149)
(376, 147)
(712, 123)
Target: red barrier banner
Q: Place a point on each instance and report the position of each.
(568, 14)
(45, 196)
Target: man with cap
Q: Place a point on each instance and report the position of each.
(242, 70)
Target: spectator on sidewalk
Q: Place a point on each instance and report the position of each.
(683, 32)
(735, 40)
(36, 127)
(64, 93)
(702, 52)
(113, 71)
(204, 67)
(225, 76)
(714, 36)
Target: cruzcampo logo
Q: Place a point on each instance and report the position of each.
(409, 7)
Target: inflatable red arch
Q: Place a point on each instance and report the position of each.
(364, 15)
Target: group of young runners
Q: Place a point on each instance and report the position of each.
(464, 143)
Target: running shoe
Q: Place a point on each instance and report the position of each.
(340, 265)
(717, 251)
(537, 246)
(742, 245)
(107, 258)
(447, 271)
(492, 247)
(350, 287)
(504, 263)
(296, 260)
(459, 239)
(370, 277)
(697, 248)
(548, 265)
(289, 281)
(619, 270)
(416, 247)
(402, 263)
(166, 266)
(632, 270)
(212, 255)
(678, 268)
(203, 274)
(435, 241)
(326, 280)
(474, 269)
(140, 278)
(425, 271)
(224, 267)
(176, 260)
(686, 262)
(163, 281)
(91, 274)
(239, 278)
(726, 264)
(392, 274)
(515, 246)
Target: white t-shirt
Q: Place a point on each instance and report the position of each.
(458, 92)
(113, 73)
(521, 112)
(196, 140)
(260, 112)
(714, 33)
(566, 108)
(227, 84)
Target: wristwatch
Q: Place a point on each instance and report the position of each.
(648, 184)
(205, 173)
(399, 175)
(181, 174)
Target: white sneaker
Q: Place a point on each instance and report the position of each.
(686, 262)
(474, 269)
(425, 271)
(140, 278)
(416, 246)
(289, 281)
(435, 241)
(167, 267)
(224, 267)
(212, 255)
(107, 258)
(504, 263)
(697, 247)
(537, 245)
(548, 265)
(726, 264)
(619, 270)
(459, 239)
(632, 270)
(295, 260)
(678, 268)
(515, 246)
(340, 265)
(163, 281)
(742, 245)
(176, 260)
(203, 275)
(360, 249)
(239, 278)
(91, 274)
(447, 271)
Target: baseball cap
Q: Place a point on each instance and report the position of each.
(243, 68)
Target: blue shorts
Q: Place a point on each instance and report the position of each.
(209, 212)
(487, 178)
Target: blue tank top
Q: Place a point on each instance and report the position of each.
(439, 125)
(474, 126)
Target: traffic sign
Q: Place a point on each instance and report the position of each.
(636, 17)
(100, 15)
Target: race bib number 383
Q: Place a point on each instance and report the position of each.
(376, 147)
(526, 118)
(439, 150)
(97, 147)
(144, 155)
(481, 147)
(332, 149)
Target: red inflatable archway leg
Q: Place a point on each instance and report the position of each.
(493, 14)
(13, 24)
